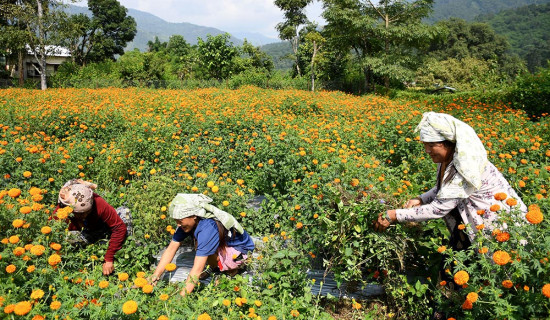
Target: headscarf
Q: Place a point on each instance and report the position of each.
(196, 204)
(77, 194)
(470, 156)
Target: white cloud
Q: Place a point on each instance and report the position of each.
(256, 16)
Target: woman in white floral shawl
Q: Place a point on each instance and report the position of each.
(466, 183)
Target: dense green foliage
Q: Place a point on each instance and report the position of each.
(527, 30)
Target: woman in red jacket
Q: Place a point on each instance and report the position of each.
(94, 219)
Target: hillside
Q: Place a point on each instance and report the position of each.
(469, 9)
(527, 30)
(150, 26)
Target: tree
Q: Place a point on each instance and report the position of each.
(290, 28)
(104, 35)
(385, 36)
(216, 55)
(34, 26)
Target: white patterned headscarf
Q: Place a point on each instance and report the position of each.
(196, 204)
(77, 194)
(470, 156)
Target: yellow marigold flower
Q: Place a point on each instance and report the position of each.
(140, 274)
(162, 317)
(22, 308)
(103, 284)
(37, 294)
(123, 276)
(258, 303)
(170, 267)
(148, 288)
(164, 297)
(546, 290)
(461, 277)
(11, 268)
(129, 307)
(354, 182)
(140, 282)
(27, 174)
(226, 302)
(501, 257)
(54, 259)
(215, 189)
(46, 230)
(534, 216)
(294, 313)
(18, 223)
(55, 246)
(472, 297)
(204, 316)
(210, 184)
(31, 268)
(239, 301)
(272, 318)
(507, 284)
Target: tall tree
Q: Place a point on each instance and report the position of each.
(35, 26)
(295, 17)
(216, 55)
(385, 35)
(104, 35)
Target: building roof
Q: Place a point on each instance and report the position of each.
(53, 51)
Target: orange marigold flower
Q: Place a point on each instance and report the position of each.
(503, 237)
(38, 317)
(18, 251)
(22, 308)
(54, 259)
(461, 226)
(272, 318)
(11, 268)
(18, 223)
(480, 226)
(123, 276)
(481, 212)
(37, 250)
(495, 207)
(461, 277)
(507, 284)
(55, 246)
(31, 268)
(500, 196)
(46, 230)
(204, 316)
(467, 305)
(14, 193)
(27, 174)
(140, 282)
(148, 288)
(129, 307)
(294, 313)
(170, 267)
(226, 302)
(472, 297)
(9, 308)
(13, 239)
(103, 284)
(164, 297)
(163, 317)
(354, 182)
(299, 225)
(511, 202)
(25, 210)
(55, 305)
(37, 294)
(441, 249)
(546, 290)
(534, 216)
(501, 257)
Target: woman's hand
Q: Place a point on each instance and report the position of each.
(381, 224)
(108, 268)
(413, 203)
(153, 279)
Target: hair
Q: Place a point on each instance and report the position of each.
(222, 231)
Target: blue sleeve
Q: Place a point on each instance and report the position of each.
(208, 239)
(179, 235)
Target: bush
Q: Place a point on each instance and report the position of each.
(531, 92)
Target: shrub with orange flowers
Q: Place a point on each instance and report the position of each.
(129, 307)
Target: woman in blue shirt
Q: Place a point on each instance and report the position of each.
(220, 240)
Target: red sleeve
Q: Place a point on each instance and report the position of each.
(118, 228)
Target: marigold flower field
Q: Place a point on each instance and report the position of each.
(327, 164)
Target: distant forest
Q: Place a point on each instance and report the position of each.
(470, 9)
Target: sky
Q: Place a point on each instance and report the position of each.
(253, 16)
